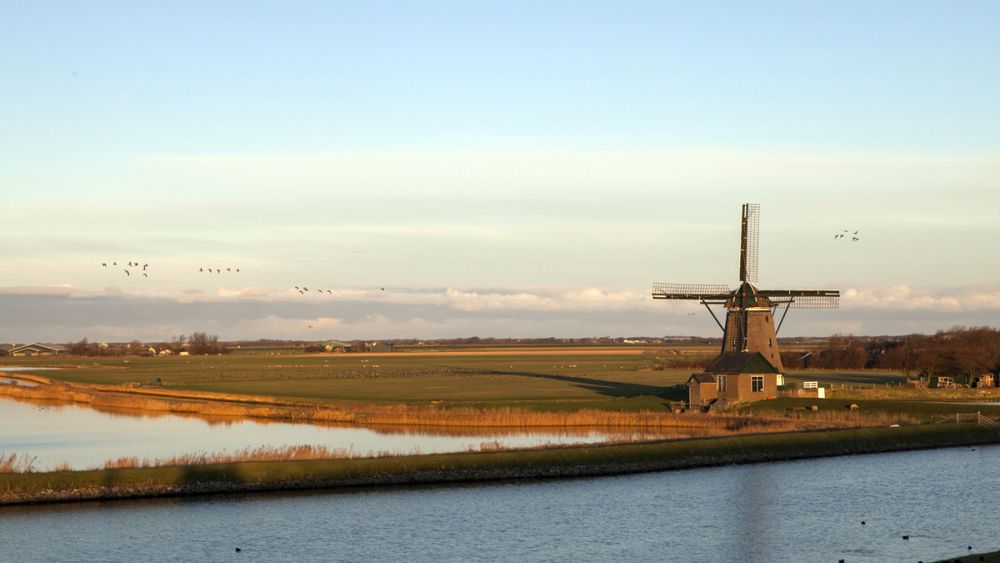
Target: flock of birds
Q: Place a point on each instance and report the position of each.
(132, 265)
(304, 290)
(854, 236)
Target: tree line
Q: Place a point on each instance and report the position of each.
(198, 343)
(960, 351)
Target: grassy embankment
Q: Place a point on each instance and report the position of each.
(443, 468)
(991, 557)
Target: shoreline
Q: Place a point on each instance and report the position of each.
(478, 467)
(210, 404)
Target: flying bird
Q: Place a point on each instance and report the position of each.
(127, 274)
(145, 275)
(105, 264)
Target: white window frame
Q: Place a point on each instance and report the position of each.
(722, 382)
(754, 380)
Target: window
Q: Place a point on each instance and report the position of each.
(756, 383)
(722, 382)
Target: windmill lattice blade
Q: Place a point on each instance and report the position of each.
(663, 290)
(805, 298)
(749, 242)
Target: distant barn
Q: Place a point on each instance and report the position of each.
(37, 349)
(337, 346)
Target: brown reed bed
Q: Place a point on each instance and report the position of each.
(226, 405)
(14, 463)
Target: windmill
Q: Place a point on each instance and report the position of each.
(750, 313)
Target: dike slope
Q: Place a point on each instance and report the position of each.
(30, 488)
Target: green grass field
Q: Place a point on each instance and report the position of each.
(535, 379)
(540, 378)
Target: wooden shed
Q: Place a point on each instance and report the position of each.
(702, 390)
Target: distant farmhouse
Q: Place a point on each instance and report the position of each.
(345, 347)
(37, 349)
(379, 347)
(338, 346)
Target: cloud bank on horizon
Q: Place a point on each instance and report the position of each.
(68, 314)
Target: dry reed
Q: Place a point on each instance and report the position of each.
(261, 453)
(219, 404)
(13, 463)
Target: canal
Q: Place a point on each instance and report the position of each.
(943, 500)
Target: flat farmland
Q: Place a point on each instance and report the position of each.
(535, 378)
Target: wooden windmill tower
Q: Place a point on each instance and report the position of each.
(749, 329)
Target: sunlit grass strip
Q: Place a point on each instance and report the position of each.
(218, 404)
(484, 466)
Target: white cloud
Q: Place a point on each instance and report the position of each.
(905, 298)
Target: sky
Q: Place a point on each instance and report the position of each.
(515, 170)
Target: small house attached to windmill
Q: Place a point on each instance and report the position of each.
(749, 365)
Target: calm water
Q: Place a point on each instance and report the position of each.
(12, 381)
(84, 437)
(810, 510)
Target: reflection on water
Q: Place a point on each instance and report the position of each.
(86, 437)
(21, 382)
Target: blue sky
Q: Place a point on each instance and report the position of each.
(507, 158)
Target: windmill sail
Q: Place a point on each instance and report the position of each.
(711, 292)
(803, 298)
(749, 242)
